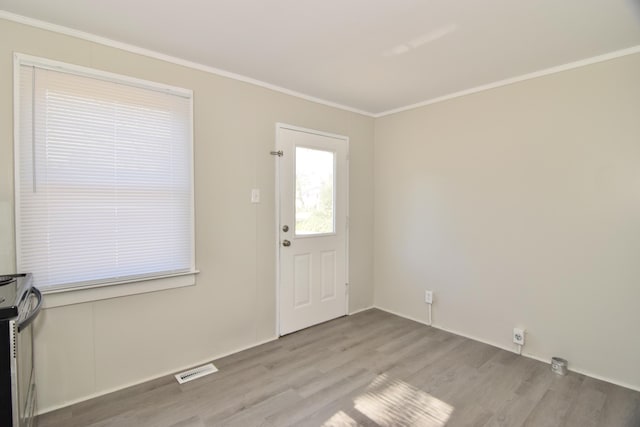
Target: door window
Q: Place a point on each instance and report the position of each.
(315, 192)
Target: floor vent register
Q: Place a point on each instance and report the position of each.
(195, 373)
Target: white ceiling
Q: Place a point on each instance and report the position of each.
(369, 55)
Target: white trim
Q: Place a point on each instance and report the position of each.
(587, 373)
(360, 310)
(65, 67)
(56, 289)
(171, 59)
(280, 125)
(404, 316)
(528, 355)
(192, 168)
(219, 72)
(277, 228)
(274, 338)
(78, 295)
(545, 72)
(347, 226)
(16, 159)
(151, 378)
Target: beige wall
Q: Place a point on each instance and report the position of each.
(90, 348)
(517, 206)
(520, 206)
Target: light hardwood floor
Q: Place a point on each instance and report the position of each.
(369, 369)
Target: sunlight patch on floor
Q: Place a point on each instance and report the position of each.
(394, 402)
(340, 419)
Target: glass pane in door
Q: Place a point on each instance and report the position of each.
(315, 192)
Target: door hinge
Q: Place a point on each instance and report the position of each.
(346, 288)
(278, 153)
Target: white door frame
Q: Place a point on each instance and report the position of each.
(277, 224)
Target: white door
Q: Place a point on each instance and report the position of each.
(312, 228)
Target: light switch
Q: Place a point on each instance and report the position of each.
(255, 195)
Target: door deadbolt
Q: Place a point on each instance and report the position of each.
(286, 243)
(285, 228)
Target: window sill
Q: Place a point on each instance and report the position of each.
(59, 298)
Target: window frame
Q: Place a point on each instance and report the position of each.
(77, 293)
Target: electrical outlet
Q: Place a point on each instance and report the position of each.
(428, 297)
(518, 336)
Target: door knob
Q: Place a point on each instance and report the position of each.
(286, 243)
(285, 228)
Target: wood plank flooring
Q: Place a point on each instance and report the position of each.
(370, 369)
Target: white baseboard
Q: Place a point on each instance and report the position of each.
(525, 354)
(154, 377)
(587, 373)
(404, 316)
(166, 373)
(421, 321)
(360, 310)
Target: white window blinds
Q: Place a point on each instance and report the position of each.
(104, 181)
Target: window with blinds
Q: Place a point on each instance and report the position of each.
(104, 180)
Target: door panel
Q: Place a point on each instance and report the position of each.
(328, 268)
(302, 280)
(313, 182)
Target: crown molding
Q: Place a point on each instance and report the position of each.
(547, 71)
(171, 59)
(219, 72)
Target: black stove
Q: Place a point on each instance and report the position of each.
(13, 289)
